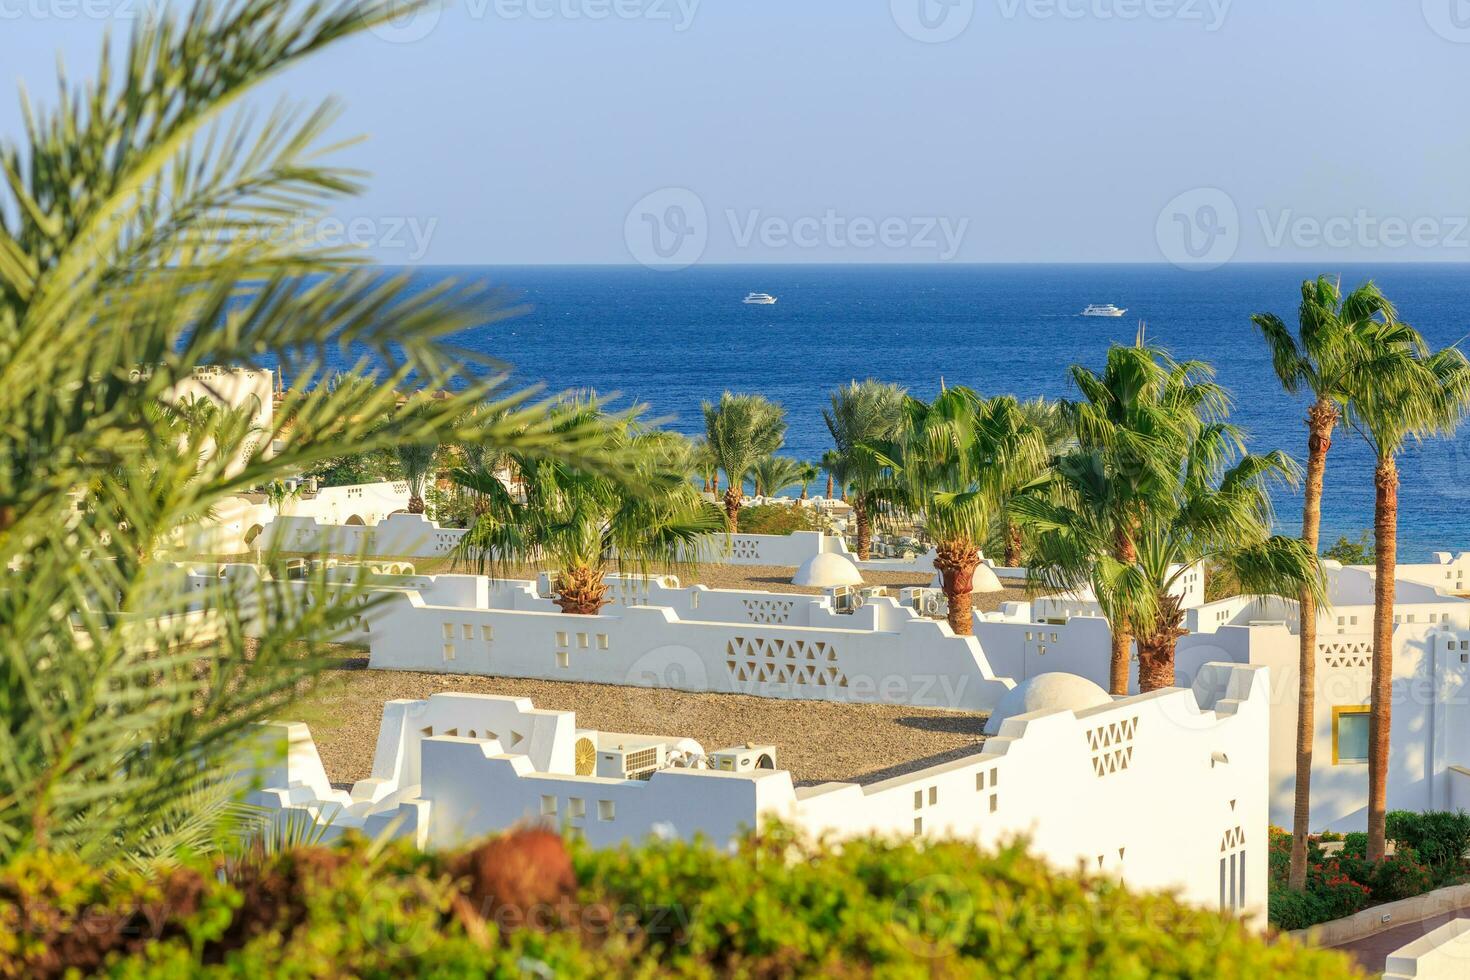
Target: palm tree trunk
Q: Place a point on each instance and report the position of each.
(829, 486)
(1122, 642)
(732, 509)
(864, 527)
(1321, 418)
(956, 563)
(714, 486)
(1156, 646)
(1380, 713)
(581, 591)
(1013, 546)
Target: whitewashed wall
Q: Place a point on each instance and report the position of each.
(1164, 790)
(395, 535)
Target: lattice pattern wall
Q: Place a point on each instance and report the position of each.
(767, 610)
(1346, 653)
(1112, 746)
(744, 547)
(779, 661)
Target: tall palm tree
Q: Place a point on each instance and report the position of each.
(707, 467)
(741, 430)
(832, 463)
(809, 472)
(1217, 511)
(862, 414)
(118, 290)
(1135, 418)
(776, 473)
(584, 523)
(1333, 334)
(1403, 391)
(949, 462)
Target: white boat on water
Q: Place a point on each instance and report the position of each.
(1106, 310)
(759, 299)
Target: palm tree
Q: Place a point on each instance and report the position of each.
(1045, 418)
(776, 473)
(863, 414)
(1135, 418)
(949, 462)
(832, 463)
(1334, 333)
(707, 467)
(117, 290)
(809, 472)
(1402, 391)
(416, 460)
(582, 522)
(741, 430)
(1216, 512)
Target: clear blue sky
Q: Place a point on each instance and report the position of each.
(1046, 131)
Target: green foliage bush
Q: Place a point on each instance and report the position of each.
(521, 905)
(1440, 838)
(776, 519)
(1429, 853)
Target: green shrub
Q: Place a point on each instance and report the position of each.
(519, 905)
(1440, 838)
(1400, 875)
(776, 519)
(1291, 909)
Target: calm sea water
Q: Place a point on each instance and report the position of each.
(674, 339)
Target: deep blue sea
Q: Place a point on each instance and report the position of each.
(673, 339)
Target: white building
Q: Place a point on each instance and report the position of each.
(1164, 790)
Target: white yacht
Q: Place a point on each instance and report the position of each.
(1106, 310)
(759, 299)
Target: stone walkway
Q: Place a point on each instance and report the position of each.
(1372, 951)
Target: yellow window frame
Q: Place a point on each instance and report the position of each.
(1337, 712)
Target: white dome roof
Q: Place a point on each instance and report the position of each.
(827, 570)
(1046, 692)
(984, 581)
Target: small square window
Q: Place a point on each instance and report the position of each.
(994, 778)
(979, 782)
(449, 651)
(561, 638)
(918, 826)
(576, 807)
(602, 643)
(994, 802)
(548, 806)
(487, 633)
(1349, 735)
(469, 632)
(563, 659)
(448, 631)
(606, 810)
(582, 642)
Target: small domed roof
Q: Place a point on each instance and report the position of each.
(1046, 692)
(983, 582)
(826, 570)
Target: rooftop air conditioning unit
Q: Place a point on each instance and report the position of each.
(845, 599)
(872, 592)
(744, 758)
(637, 762)
(926, 602)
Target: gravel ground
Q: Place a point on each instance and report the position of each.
(818, 741)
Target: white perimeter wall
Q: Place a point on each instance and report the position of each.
(1165, 790)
